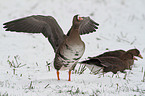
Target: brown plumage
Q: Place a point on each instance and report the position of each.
(118, 53)
(68, 48)
(110, 63)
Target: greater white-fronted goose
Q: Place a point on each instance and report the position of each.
(68, 48)
(110, 63)
(118, 53)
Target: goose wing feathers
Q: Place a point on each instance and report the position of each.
(87, 26)
(46, 25)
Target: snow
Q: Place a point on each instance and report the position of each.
(121, 27)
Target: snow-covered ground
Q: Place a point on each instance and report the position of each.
(122, 26)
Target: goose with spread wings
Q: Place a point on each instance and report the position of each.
(68, 48)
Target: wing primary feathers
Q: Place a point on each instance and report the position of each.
(87, 26)
(46, 25)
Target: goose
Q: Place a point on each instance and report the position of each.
(118, 53)
(109, 63)
(68, 48)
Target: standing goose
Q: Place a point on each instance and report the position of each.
(68, 48)
(110, 63)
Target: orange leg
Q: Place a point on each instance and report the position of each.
(58, 75)
(69, 73)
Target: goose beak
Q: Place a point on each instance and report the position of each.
(135, 58)
(80, 18)
(140, 56)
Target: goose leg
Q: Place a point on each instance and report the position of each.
(58, 75)
(69, 73)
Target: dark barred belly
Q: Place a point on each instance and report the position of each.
(65, 59)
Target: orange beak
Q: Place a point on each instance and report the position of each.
(140, 56)
(80, 18)
(135, 58)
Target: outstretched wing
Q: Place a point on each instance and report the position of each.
(46, 25)
(87, 25)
